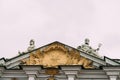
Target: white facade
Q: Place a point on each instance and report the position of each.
(104, 69)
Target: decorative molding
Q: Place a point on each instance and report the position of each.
(57, 54)
(52, 72)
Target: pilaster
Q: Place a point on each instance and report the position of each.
(31, 71)
(31, 77)
(113, 72)
(71, 77)
(113, 77)
(1, 70)
(71, 71)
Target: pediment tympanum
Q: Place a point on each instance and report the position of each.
(56, 54)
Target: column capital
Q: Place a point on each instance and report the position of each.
(71, 67)
(112, 73)
(32, 71)
(113, 77)
(1, 70)
(71, 77)
(71, 72)
(31, 77)
(31, 67)
(111, 68)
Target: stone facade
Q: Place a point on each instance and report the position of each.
(57, 61)
(63, 73)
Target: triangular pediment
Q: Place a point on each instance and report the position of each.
(56, 54)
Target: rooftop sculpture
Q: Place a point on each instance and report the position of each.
(31, 45)
(88, 49)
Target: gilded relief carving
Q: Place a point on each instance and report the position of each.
(52, 72)
(51, 78)
(57, 54)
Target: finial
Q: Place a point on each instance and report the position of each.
(32, 42)
(87, 41)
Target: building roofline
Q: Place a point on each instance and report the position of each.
(41, 47)
(111, 59)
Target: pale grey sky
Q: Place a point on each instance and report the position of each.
(66, 21)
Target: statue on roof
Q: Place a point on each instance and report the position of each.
(31, 45)
(85, 47)
(88, 49)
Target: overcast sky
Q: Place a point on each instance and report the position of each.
(66, 21)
